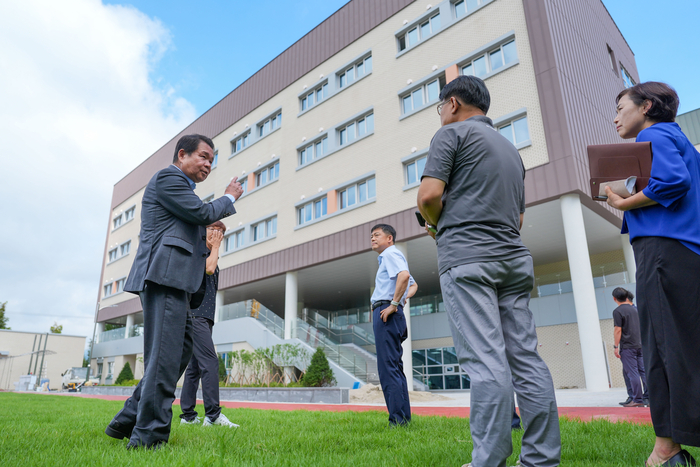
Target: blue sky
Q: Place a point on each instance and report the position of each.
(218, 45)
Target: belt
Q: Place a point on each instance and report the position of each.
(379, 303)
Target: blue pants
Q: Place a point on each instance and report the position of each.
(635, 377)
(388, 338)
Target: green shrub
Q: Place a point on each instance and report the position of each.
(129, 382)
(222, 369)
(125, 375)
(319, 373)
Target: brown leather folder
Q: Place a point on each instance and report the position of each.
(610, 162)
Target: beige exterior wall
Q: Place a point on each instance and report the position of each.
(393, 139)
(128, 231)
(69, 353)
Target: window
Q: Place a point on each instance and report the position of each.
(99, 370)
(357, 193)
(235, 241)
(355, 72)
(313, 151)
(116, 222)
(414, 170)
(107, 290)
(425, 94)
(244, 185)
(439, 369)
(110, 370)
(240, 143)
(626, 78)
(125, 248)
(314, 96)
(492, 61)
(216, 159)
(357, 129)
(462, 7)
(422, 30)
(516, 131)
(120, 285)
(264, 229)
(312, 210)
(113, 254)
(129, 214)
(611, 56)
(208, 199)
(270, 124)
(267, 175)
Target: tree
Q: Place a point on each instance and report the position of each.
(3, 319)
(125, 375)
(56, 328)
(222, 369)
(319, 373)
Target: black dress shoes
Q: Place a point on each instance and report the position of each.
(683, 458)
(117, 431)
(629, 399)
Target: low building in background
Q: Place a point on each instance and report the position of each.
(45, 355)
(331, 137)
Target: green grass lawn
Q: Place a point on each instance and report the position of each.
(42, 430)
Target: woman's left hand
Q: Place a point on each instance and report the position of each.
(614, 200)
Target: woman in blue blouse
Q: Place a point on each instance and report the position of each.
(663, 221)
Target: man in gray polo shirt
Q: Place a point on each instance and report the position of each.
(473, 191)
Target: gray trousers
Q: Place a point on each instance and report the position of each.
(496, 344)
(204, 365)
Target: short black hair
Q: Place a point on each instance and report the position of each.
(664, 100)
(190, 143)
(387, 229)
(622, 295)
(470, 90)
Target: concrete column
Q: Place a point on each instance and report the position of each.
(217, 306)
(290, 304)
(99, 331)
(630, 262)
(129, 325)
(407, 344)
(594, 365)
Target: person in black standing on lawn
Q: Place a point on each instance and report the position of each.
(204, 364)
(628, 345)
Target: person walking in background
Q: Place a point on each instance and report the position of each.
(664, 228)
(167, 270)
(204, 364)
(628, 345)
(393, 285)
(473, 190)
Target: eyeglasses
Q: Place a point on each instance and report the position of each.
(441, 104)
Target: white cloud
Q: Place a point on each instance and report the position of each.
(79, 108)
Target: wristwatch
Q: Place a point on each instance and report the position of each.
(396, 304)
(614, 346)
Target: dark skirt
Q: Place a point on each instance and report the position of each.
(668, 297)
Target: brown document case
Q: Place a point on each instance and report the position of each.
(610, 162)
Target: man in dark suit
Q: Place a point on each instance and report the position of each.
(167, 270)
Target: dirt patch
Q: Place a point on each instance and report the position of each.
(371, 394)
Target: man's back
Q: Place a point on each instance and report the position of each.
(484, 193)
(626, 317)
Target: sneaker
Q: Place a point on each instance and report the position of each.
(194, 421)
(646, 402)
(634, 404)
(221, 420)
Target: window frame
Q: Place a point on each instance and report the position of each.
(406, 161)
(263, 223)
(248, 133)
(312, 205)
(486, 53)
(267, 168)
(227, 239)
(509, 119)
(355, 123)
(247, 231)
(333, 84)
(625, 75)
(417, 25)
(260, 126)
(421, 85)
(320, 196)
(323, 86)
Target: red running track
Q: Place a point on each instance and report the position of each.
(639, 415)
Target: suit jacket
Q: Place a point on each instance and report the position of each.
(172, 243)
